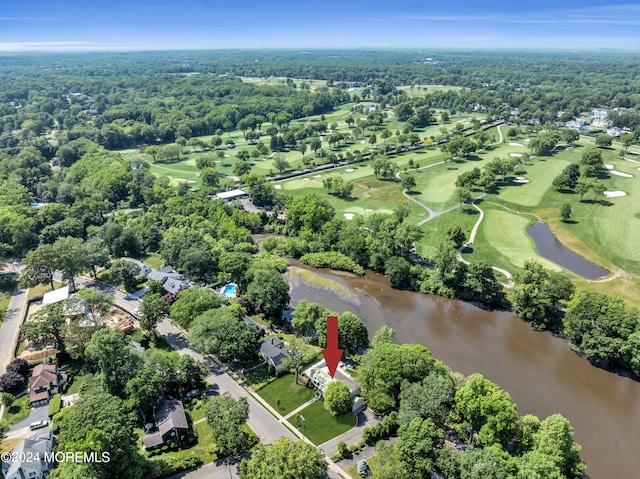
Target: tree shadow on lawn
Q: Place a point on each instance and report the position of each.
(570, 222)
(566, 191)
(593, 202)
(470, 211)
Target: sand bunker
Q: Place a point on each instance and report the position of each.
(349, 216)
(620, 173)
(608, 166)
(527, 140)
(227, 156)
(305, 179)
(614, 194)
(632, 161)
(368, 209)
(515, 155)
(516, 144)
(349, 170)
(317, 176)
(277, 187)
(520, 179)
(363, 142)
(634, 153)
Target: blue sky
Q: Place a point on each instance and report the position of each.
(197, 24)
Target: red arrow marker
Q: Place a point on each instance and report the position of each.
(332, 354)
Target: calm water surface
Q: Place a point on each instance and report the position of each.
(540, 371)
(549, 247)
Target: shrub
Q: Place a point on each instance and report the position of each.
(343, 449)
(333, 260)
(54, 405)
(384, 428)
(20, 366)
(11, 382)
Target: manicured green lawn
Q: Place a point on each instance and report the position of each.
(502, 240)
(5, 299)
(19, 410)
(319, 425)
(353, 470)
(436, 229)
(284, 395)
(154, 261)
(199, 450)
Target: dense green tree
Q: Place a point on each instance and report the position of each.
(398, 271)
(565, 211)
(432, 398)
(306, 315)
(592, 156)
(310, 212)
(267, 293)
(40, 265)
(337, 398)
(192, 302)
(223, 332)
(536, 293)
(144, 390)
(384, 335)
(408, 182)
(226, 416)
(110, 353)
(554, 439)
(483, 413)
(352, 332)
(286, 459)
(152, 310)
(47, 324)
(103, 420)
(603, 140)
(417, 444)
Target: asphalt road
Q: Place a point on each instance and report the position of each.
(11, 327)
(260, 420)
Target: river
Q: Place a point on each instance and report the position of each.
(539, 370)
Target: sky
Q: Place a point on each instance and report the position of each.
(72, 25)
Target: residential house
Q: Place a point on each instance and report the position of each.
(55, 296)
(45, 382)
(172, 281)
(25, 466)
(577, 125)
(614, 131)
(273, 351)
(320, 378)
(171, 423)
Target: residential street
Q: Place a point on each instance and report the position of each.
(11, 327)
(261, 421)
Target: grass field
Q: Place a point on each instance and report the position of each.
(502, 240)
(38, 291)
(284, 395)
(435, 230)
(19, 410)
(319, 425)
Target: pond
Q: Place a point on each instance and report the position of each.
(550, 248)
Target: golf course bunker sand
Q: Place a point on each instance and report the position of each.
(515, 155)
(349, 216)
(614, 194)
(305, 179)
(520, 179)
(620, 173)
(515, 144)
(317, 176)
(349, 170)
(277, 187)
(632, 161)
(608, 166)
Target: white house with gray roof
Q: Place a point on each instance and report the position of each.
(26, 466)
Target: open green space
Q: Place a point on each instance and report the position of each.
(353, 469)
(435, 231)
(19, 410)
(420, 90)
(199, 450)
(320, 426)
(502, 240)
(38, 291)
(284, 395)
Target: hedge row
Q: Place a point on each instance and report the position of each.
(54, 405)
(333, 260)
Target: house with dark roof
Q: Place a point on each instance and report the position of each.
(28, 459)
(273, 351)
(45, 382)
(172, 281)
(171, 425)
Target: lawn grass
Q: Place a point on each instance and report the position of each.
(5, 299)
(199, 450)
(319, 425)
(9, 444)
(284, 395)
(353, 469)
(502, 240)
(436, 229)
(154, 261)
(38, 291)
(19, 410)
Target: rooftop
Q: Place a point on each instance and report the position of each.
(56, 296)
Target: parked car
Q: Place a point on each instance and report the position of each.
(38, 424)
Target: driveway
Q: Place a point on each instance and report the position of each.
(21, 430)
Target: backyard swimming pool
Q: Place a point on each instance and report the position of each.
(230, 290)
